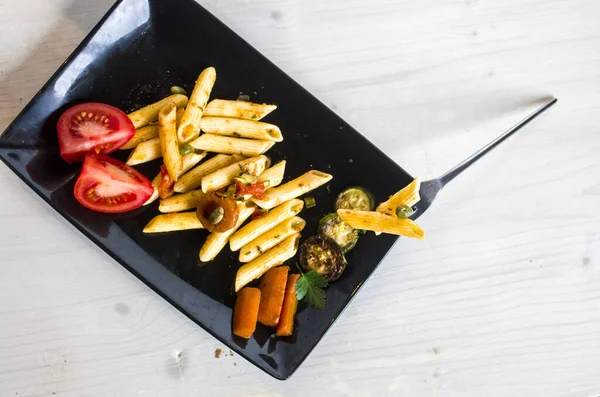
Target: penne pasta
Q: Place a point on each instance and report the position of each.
(273, 176)
(408, 196)
(141, 135)
(189, 128)
(146, 133)
(226, 176)
(144, 152)
(155, 185)
(240, 128)
(270, 259)
(215, 242)
(189, 160)
(294, 188)
(237, 109)
(380, 222)
(262, 225)
(173, 222)
(149, 114)
(229, 145)
(268, 240)
(180, 202)
(193, 179)
(169, 146)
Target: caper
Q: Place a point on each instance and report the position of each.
(178, 90)
(404, 211)
(217, 215)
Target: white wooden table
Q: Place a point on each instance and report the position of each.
(503, 299)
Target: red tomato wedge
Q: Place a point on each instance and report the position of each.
(107, 185)
(92, 128)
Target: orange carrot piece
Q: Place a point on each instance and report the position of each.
(272, 288)
(285, 327)
(246, 312)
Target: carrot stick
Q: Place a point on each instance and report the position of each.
(285, 327)
(245, 312)
(272, 288)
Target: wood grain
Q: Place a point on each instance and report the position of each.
(503, 299)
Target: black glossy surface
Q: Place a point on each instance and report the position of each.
(136, 53)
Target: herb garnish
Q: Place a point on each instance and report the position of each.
(310, 287)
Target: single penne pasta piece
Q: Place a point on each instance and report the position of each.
(155, 185)
(169, 146)
(144, 152)
(382, 223)
(294, 188)
(226, 176)
(240, 128)
(273, 176)
(215, 242)
(149, 114)
(189, 160)
(189, 128)
(270, 259)
(173, 222)
(180, 202)
(237, 109)
(408, 196)
(180, 112)
(141, 135)
(193, 179)
(262, 225)
(146, 133)
(268, 240)
(229, 145)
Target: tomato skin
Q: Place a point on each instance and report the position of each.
(258, 213)
(257, 189)
(166, 187)
(110, 186)
(94, 128)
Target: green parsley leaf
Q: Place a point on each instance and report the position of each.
(310, 287)
(316, 279)
(316, 297)
(302, 286)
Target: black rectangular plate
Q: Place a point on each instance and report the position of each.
(132, 57)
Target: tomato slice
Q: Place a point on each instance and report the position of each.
(107, 185)
(92, 128)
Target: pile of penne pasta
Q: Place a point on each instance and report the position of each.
(232, 130)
